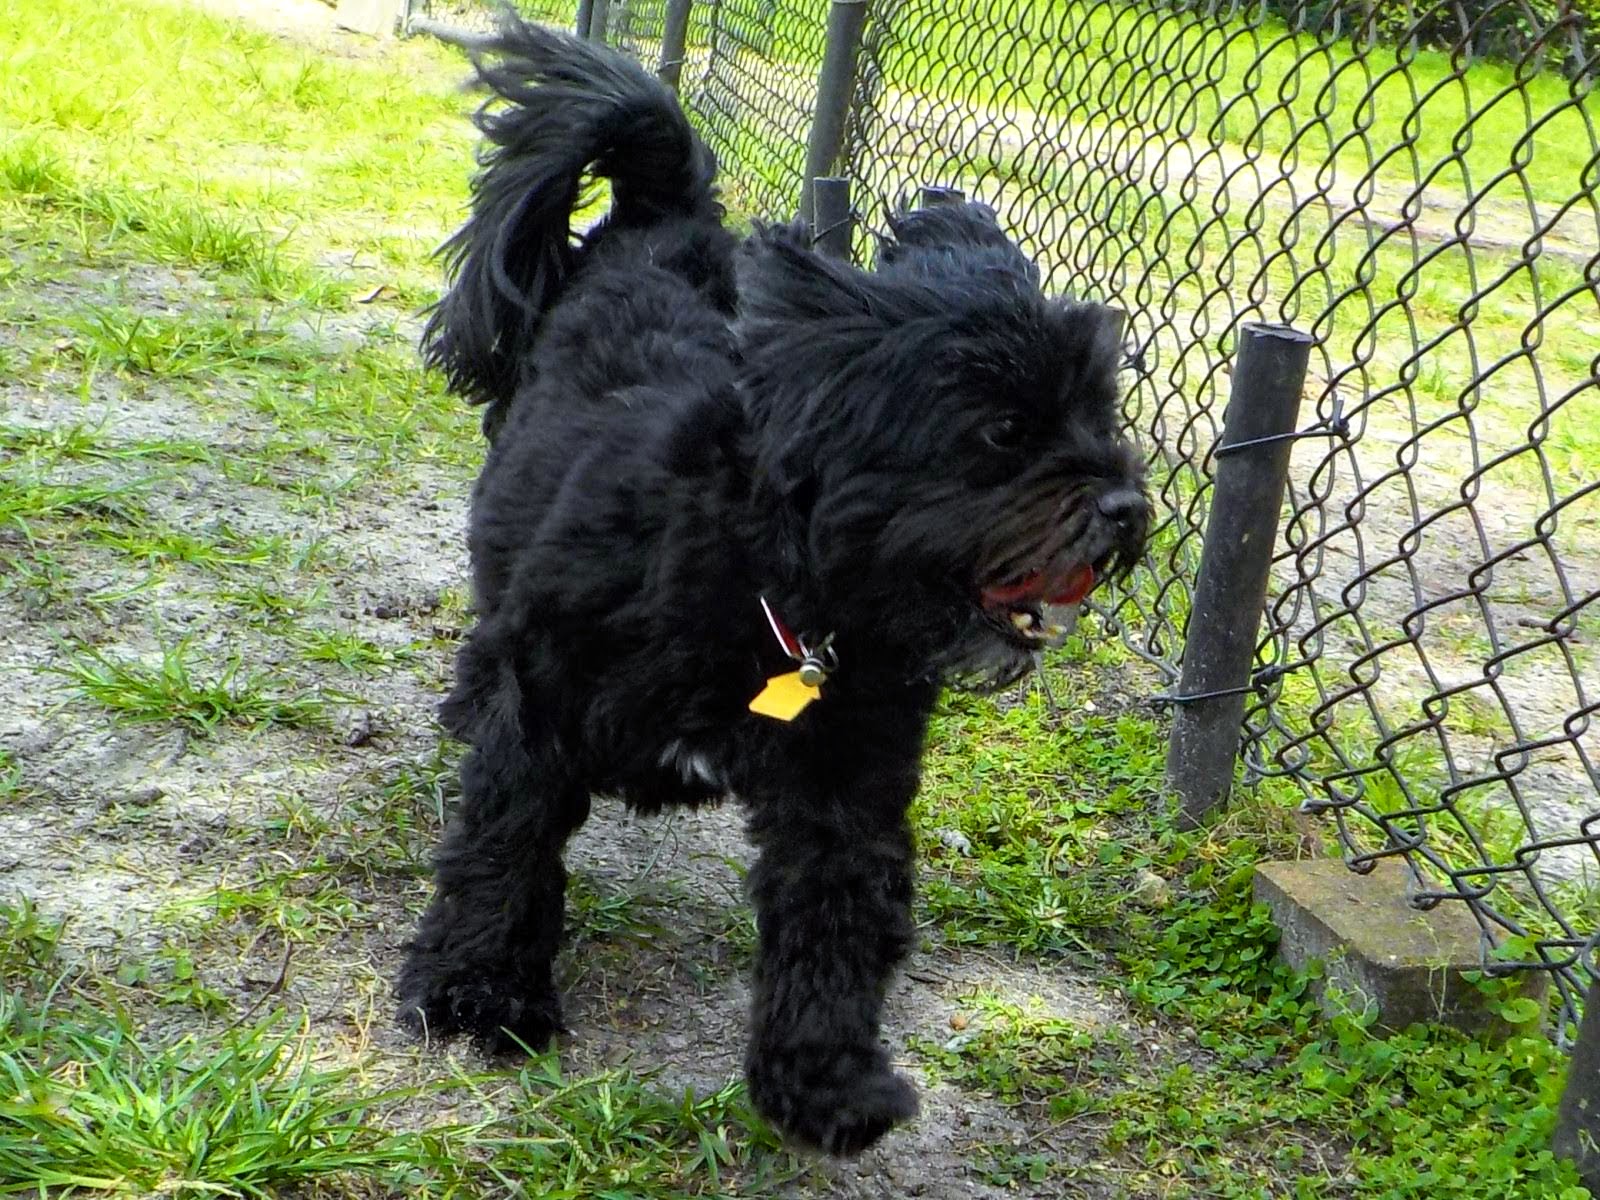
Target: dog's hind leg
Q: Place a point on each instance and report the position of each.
(833, 907)
(480, 962)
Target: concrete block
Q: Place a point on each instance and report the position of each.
(1377, 949)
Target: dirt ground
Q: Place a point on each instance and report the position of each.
(133, 832)
(285, 866)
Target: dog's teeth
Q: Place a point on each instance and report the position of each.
(1024, 621)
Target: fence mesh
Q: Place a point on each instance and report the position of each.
(1414, 184)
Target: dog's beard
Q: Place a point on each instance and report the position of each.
(977, 659)
(1047, 550)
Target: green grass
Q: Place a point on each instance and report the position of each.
(1251, 1092)
(244, 166)
(27, 498)
(1248, 83)
(348, 650)
(95, 1104)
(181, 691)
(179, 345)
(172, 135)
(305, 903)
(614, 1136)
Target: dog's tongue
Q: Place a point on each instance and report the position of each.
(1062, 587)
(1073, 586)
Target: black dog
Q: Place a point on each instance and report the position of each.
(698, 446)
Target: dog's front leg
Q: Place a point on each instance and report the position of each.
(833, 901)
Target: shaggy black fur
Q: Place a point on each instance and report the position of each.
(912, 460)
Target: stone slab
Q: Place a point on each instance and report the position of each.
(1377, 948)
(375, 18)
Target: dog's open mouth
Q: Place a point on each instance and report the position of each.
(1019, 603)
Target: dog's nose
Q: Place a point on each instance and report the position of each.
(1123, 505)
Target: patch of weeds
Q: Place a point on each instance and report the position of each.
(265, 602)
(605, 911)
(176, 980)
(28, 941)
(1033, 825)
(92, 1104)
(428, 786)
(85, 442)
(38, 579)
(181, 346)
(304, 903)
(1252, 1091)
(348, 650)
(614, 1135)
(1011, 1166)
(175, 692)
(26, 498)
(56, 441)
(312, 554)
(1024, 1055)
(219, 548)
(10, 774)
(733, 928)
(363, 844)
(30, 167)
(377, 399)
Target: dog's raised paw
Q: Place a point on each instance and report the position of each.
(817, 1108)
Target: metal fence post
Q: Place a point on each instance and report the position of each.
(836, 83)
(674, 42)
(1578, 1120)
(585, 18)
(599, 20)
(1252, 462)
(832, 224)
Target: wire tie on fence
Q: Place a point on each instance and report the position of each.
(1259, 681)
(816, 238)
(1337, 425)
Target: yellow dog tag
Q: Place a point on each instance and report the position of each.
(784, 697)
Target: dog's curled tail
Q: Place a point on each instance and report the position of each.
(572, 110)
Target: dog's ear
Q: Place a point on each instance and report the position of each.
(931, 241)
(1095, 337)
(783, 283)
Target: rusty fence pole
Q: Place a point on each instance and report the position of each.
(674, 42)
(1252, 464)
(832, 222)
(836, 84)
(593, 18)
(1578, 1119)
(930, 196)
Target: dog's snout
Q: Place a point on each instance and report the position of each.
(1123, 505)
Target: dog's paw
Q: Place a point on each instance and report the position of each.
(499, 1021)
(837, 1101)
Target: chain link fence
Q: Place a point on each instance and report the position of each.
(1416, 185)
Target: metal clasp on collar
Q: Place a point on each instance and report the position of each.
(816, 662)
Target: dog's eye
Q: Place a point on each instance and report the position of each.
(1004, 434)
